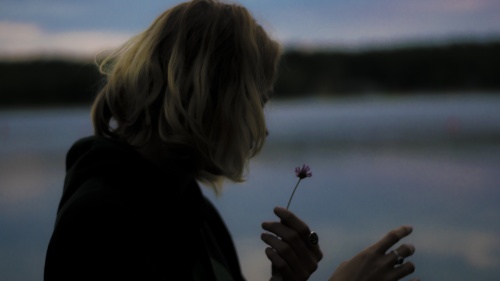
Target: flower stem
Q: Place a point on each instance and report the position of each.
(290, 200)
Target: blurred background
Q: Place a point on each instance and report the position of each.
(394, 104)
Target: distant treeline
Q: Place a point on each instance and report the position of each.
(451, 68)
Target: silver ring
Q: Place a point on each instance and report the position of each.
(313, 238)
(399, 259)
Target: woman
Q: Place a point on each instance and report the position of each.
(182, 103)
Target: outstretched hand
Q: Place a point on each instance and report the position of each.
(377, 263)
(292, 256)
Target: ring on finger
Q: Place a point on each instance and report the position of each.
(313, 238)
(399, 259)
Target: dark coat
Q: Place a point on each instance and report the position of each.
(123, 218)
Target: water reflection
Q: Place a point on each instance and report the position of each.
(355, 195)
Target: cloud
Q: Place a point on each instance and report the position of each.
(28, 39)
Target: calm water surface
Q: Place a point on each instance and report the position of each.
(432, 162)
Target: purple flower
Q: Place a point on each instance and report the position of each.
(302, 173)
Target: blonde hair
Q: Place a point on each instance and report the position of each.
(197, 79)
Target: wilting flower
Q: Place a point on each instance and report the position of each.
(302, 173)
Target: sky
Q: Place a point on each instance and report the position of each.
(84, 27)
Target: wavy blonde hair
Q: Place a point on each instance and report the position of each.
(197, 79)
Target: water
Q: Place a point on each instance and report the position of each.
(432, 162)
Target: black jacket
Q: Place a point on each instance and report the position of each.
(123, 218)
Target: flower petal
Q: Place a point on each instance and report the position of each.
(303, 172)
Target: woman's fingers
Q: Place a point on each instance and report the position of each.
(401, 271)
(290, 245)
(294, 231)
(284, 259)
(402, 252)
(290, 219)
(392, 238)
(279, 264)
(282, 248)
(300, 228)
(377, 262)
(291, 250)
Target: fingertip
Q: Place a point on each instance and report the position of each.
(408, 228)
(266, 225)
(412, 248)
(265, 237)
(269, 252)
(412, 266)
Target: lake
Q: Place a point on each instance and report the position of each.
(429, 161)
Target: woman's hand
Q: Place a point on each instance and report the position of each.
(377, 263)
(292, 256)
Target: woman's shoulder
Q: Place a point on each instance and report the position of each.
(92, 203)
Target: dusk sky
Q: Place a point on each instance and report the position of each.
(84, 27)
